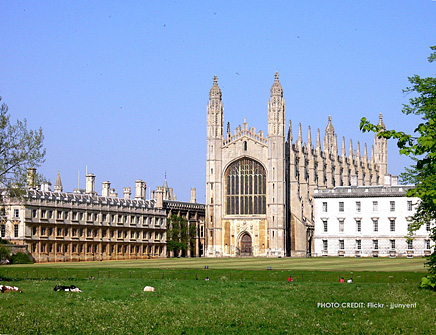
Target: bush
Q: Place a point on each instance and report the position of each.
(428, 282)
(4, 253)
(20, 258)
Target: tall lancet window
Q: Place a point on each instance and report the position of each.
(245, 188)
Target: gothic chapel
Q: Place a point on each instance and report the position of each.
(259, 189)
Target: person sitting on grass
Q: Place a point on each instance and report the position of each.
(349, 281)
(290, 279)
(341, 280)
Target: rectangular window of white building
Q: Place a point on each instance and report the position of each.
(375, 206)
(392, 206)
(341, 206)
(358, 206)
(358, 226)
(427, 226)
(341, 225)
(375, 244)
(427, 244)
(3, 230)
(341, 244)
(392, 244)
(324, 245)
(325, 227)
(358, 244)
(409, 205)
(16, 213)
(15, 230)
(324, 207)
(375, 224)
(409, 245)
(392, 224)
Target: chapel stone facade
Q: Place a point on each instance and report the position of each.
(259, 189)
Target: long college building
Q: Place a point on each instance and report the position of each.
(259, 187)
(60, 226)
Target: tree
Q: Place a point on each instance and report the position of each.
(180, 235)
(19, 149)
(421, 147)
(4, 253)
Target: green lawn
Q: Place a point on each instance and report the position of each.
(218, 306)
(241, 297)
(307, 264)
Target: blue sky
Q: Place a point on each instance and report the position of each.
(122, 86)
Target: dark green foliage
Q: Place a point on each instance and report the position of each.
(421, 147)
(4, 253)
(180, 235)
(20, 258)
(3, 241)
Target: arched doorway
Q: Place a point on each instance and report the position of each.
(246, 245)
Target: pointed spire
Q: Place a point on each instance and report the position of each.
(215, 91)
(318, 142)
(300, 137)
(309, 139)
(335, 145)
(343, 147)
(381, 150)
(165, 182)
(358, 156)
(276, 88)
(58, 184)
(350, 150)
(330, 129)
(290, 132)
(380, 121)
(372, 156)
(365, 155)
(329, 138)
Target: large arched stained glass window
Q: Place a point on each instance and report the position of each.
(245, 188)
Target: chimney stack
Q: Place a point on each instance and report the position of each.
(193, 198)
(387, 180)
(105, 189)
(46, 187)
(127, 192)
(140, 189)
(113, 193)
(159, 198)
(90, 183)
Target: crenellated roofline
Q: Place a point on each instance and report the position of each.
(244, 131)
(33, 194)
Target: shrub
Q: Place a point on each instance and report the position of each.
(20, 258)
(4, 253)
(428, 282)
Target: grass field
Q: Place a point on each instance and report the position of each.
(306, 264)
(241, 297)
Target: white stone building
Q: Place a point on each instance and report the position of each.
(367, 221)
